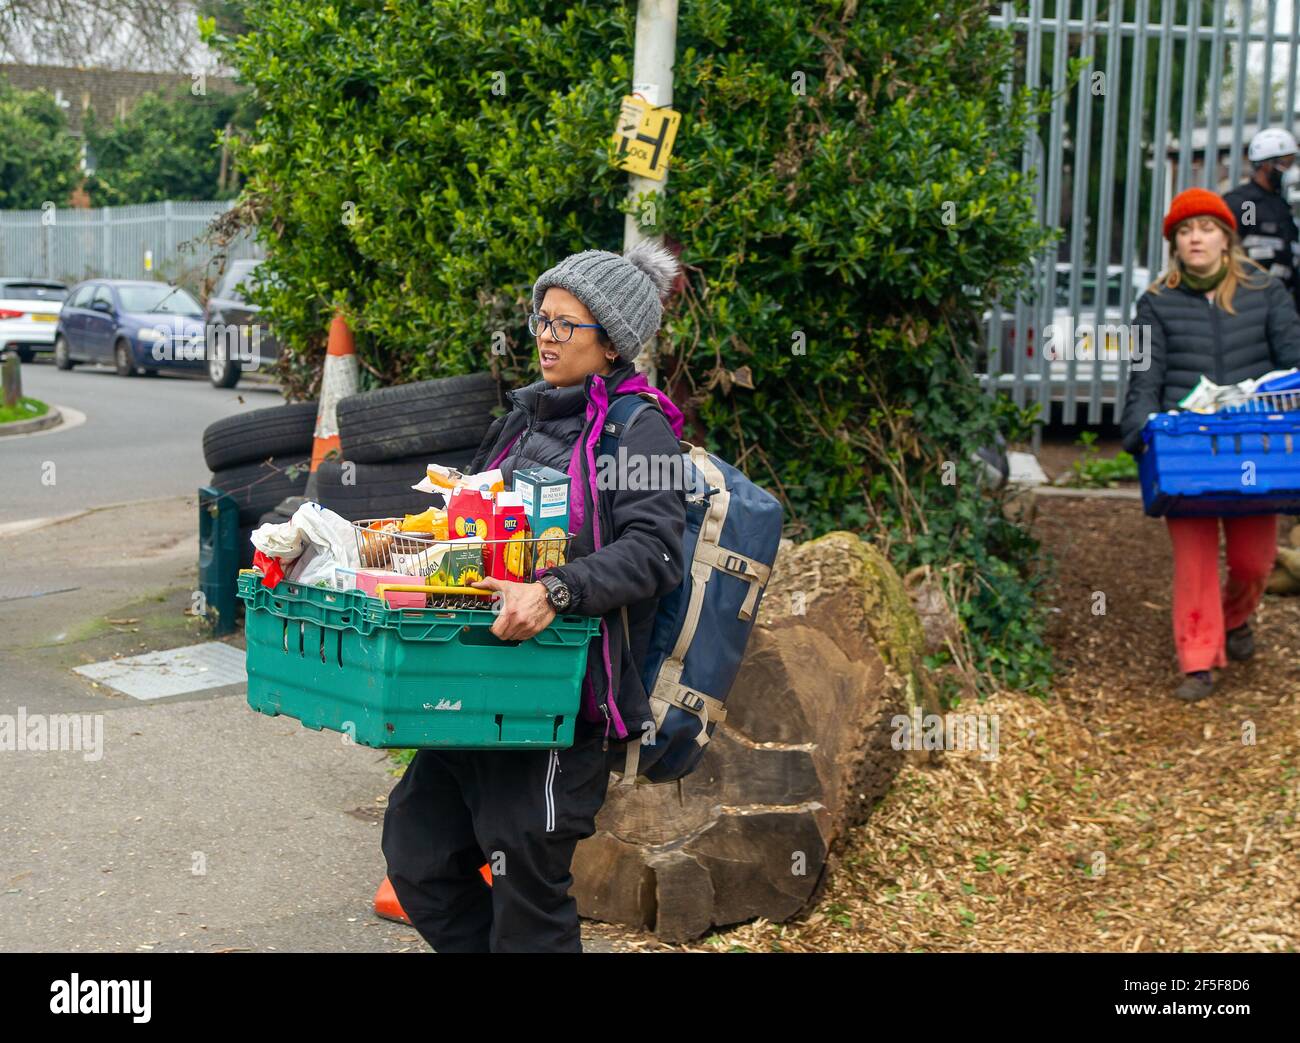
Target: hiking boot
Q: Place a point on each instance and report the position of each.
(1196, 686)
(1240, 642)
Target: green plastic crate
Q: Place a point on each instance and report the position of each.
(410, 677)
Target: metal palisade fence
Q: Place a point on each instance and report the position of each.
(1170, 94)
(153, 240)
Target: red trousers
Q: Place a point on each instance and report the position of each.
(1202, 612)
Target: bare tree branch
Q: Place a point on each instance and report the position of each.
(149, 35)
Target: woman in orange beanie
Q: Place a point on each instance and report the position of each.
(1212, 313)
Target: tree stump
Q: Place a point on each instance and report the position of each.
(804, 754)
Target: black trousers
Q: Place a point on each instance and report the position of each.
(522, 812)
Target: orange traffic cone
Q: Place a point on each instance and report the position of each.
(338, 381)
(387, 905)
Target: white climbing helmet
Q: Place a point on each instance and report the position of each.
(1272, 143)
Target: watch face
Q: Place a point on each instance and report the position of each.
(559, 594)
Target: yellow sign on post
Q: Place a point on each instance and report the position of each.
(644, 138)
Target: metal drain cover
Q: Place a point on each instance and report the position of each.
(177, 671)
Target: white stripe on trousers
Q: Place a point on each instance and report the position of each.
(550, 792)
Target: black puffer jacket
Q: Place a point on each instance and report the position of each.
(1191, 337)
(640, 558)
(1268, 231)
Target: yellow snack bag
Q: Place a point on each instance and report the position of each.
(432, 521)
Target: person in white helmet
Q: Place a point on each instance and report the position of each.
(1268, 229)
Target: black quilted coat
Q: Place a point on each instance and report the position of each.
(1191, 336)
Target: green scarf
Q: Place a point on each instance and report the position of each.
(1204, 283)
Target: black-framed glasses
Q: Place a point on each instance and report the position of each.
(561, 329)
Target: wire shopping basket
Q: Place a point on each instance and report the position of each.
(445, 569)
(1267, 402)
(1281, 394)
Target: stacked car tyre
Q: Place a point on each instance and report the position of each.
(259, 458)
(383, 490)
(431, 416)
(390, 435)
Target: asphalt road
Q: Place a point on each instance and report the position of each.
(141, 439)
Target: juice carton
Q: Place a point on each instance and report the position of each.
(545, 495)
(509, 558)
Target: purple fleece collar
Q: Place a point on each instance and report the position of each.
(597, 410)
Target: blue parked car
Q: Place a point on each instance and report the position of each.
(137, 325)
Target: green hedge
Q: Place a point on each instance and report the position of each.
(168, 147)
(39, 160)
(418, 165)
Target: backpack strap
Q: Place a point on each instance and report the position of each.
(622, 411)
(755, 573)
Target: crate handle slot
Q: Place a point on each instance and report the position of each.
(302, 636)
(425, 630)
(483, 636)
(552, 636)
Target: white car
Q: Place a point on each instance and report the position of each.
(1079, 341)
(1082, 346)
(29, 314)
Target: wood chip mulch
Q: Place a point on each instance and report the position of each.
(1114, 818)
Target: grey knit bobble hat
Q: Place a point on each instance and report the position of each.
(625, 292)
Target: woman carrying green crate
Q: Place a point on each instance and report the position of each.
(522, 812)
(1213, 313)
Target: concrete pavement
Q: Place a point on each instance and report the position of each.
(203, 826)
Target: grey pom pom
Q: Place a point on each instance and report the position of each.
(655, 262)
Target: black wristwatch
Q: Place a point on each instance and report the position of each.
(559, 596)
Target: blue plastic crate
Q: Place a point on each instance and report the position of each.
(1221, 464)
